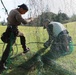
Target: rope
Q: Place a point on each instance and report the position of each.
(11, 42)
(39, 65)
(12, 38)
(4, 7)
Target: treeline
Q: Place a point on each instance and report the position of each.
(60, 17)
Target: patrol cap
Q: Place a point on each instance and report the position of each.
(47, 20)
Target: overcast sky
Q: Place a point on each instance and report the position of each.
(37, 6)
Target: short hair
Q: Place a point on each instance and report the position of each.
(23, 6)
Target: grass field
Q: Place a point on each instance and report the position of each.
(31, 63)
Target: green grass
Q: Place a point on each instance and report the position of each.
(30, 64)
